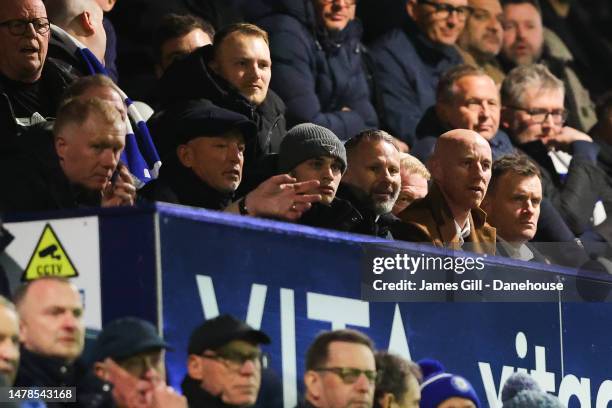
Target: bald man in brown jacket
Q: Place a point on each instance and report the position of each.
(450, 215)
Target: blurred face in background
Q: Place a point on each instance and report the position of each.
(441, 21)
(483, 32)
(523, 34)
(335, 14)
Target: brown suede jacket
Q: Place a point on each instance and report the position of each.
(430, 220)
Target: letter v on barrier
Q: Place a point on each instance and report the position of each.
(210, 307)
(493, 394)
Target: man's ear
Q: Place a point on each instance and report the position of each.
(86, 23)
(386, 400)
(313, 384)
(505, 117)
(23, 330)
(60, 147)
(434, 168)
(185, 155)
(411, 6)
(194, 367)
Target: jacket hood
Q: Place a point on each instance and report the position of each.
(190, 78)
(302, 10)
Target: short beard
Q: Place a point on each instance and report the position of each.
(385, 207)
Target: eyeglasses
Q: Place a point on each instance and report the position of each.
(350, 375)
(444, 10)
(348, 3)
(19, 27)
(539, 115)
(234, 359)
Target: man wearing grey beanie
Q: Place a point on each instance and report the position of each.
(312, 152)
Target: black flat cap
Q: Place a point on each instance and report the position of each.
(126, 337)
(201, 118)
(219, 331)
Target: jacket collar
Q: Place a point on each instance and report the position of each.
(37, 369)
(190, 189)
(444, 218)
(430, 52)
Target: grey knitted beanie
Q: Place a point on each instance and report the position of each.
(307, 141)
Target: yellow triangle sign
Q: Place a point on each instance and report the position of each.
(49, 258)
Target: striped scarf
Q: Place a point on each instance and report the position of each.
(140, 154)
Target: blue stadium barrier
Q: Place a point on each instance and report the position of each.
(178, 266)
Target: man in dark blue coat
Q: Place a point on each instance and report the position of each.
(410, 60)
(317, 63)
(466, 98)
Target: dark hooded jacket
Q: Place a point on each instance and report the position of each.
(316, 72)
(408, 68)
(191, 78)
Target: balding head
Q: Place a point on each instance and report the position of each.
(82, 19)
(23, 53)
(461, 167)
(50, 312)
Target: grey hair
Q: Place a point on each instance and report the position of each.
(522, 78)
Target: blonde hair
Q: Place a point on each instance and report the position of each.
(413, 165)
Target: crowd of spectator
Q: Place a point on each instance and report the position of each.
(280, 109)
(226, 364)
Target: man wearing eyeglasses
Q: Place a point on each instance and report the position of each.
(410, 60)
(224, 364)
(533, 113)
(340, 371)
(30, 86)
(482, 37)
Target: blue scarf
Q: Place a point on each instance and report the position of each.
(140, 154)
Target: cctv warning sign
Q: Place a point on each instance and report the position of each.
(49, 258)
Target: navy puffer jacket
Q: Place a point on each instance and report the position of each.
(316, 73)
(408, 66)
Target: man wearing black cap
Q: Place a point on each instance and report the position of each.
(224, 364)
(312, 152)
(203, 168)
(204, 165)
(129, 355)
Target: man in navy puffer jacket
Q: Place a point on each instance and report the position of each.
(317, 62)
